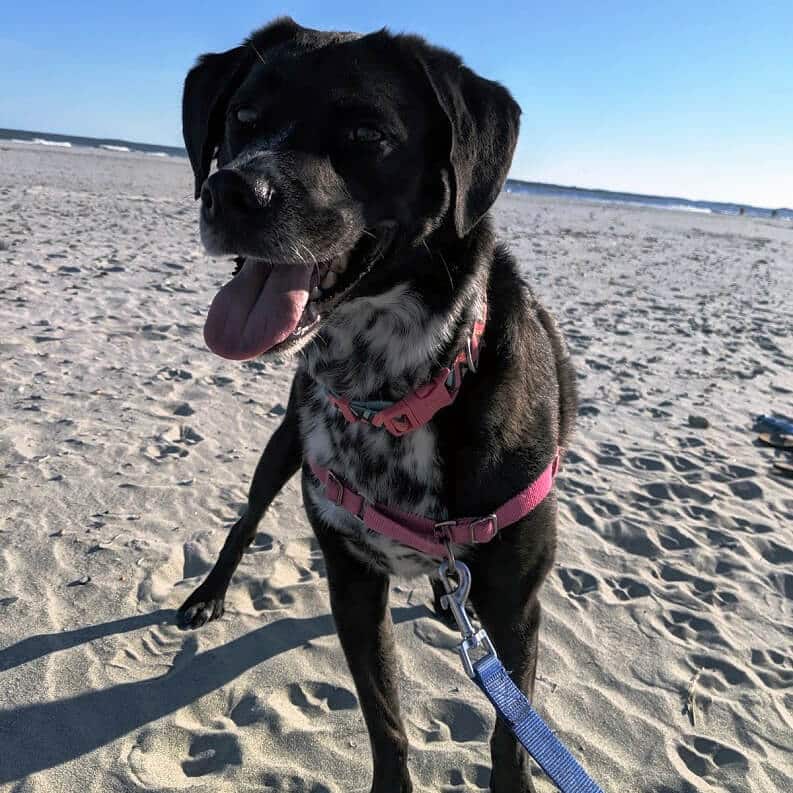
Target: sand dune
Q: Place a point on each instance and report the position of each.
(667, 649)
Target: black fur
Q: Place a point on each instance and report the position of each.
(414, 215)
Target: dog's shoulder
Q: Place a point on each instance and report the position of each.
(532, 333)
(520, 404)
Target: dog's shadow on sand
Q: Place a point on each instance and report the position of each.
(46, 734)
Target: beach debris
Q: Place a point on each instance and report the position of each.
(82, 581)
(8, 601)
(784, 469)
(775, 424)
(104, 545)
(777, 440)
(690, 706)
(277, 410)
(698, 422)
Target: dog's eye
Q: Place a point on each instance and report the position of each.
(246, 115)
(365, 135)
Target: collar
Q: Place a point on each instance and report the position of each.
(417, 408)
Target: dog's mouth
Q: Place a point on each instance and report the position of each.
(269, 306)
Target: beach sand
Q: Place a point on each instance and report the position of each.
(666, 659)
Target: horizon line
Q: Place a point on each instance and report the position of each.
(510, 178)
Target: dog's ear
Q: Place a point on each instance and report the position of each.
(207, 91)
(483, 121)
(209, 86)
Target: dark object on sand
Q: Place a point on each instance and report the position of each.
(775, 424)
(777, 440)
(784, 469)
(698, 422)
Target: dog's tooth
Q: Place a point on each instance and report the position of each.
(329, 280)
(316, 293)
(339, 265)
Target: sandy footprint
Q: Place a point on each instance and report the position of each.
(452, 720)
(158, 650)
(626, 588)
(289, 783)
(173, 442)
(706, 758)
(472, 777)
(577, 583)
(688, 627)
(183, 756)
(774, 668)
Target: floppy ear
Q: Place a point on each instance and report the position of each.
(483, 123)
(207, 90)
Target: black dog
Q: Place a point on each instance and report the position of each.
(354, 178)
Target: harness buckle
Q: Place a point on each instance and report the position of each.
(345, 408)
(490, 525)
(396, 425)
(455, 600)
(442, 531)
(336, 482)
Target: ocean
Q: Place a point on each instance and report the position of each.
(109, 144)
(512, 185)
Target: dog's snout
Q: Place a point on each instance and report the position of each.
(226, 192)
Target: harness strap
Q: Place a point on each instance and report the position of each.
(425, 534)
(417, 409)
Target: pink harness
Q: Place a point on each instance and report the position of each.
(415, 410)
(425, 534)
(418, 408)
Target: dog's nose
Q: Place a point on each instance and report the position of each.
(227, 192)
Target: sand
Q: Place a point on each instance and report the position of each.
(667, 648)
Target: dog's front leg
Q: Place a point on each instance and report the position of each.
(506, 578)
(359, 601)
(280, 460)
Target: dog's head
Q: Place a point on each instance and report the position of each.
(332, 147)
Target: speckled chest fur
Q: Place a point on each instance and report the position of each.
(386, 346)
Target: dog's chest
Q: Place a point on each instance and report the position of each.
(367, 352)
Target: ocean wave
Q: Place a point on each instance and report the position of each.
(44, 142)
(660, 205)
(157, 154)
(683, 208)
(110, 147)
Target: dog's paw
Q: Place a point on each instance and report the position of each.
(199, 609)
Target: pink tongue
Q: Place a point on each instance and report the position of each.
(257, 309)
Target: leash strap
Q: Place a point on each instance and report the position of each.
(528, 727)
(510, 703)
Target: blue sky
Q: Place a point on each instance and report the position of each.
(677, 98)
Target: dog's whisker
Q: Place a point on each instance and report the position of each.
(258, 54)
(310, 253)
(446, 267)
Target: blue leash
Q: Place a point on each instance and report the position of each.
(509, 701)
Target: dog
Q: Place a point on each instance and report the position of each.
(354, 178)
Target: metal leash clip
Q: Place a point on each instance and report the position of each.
(455, 600)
